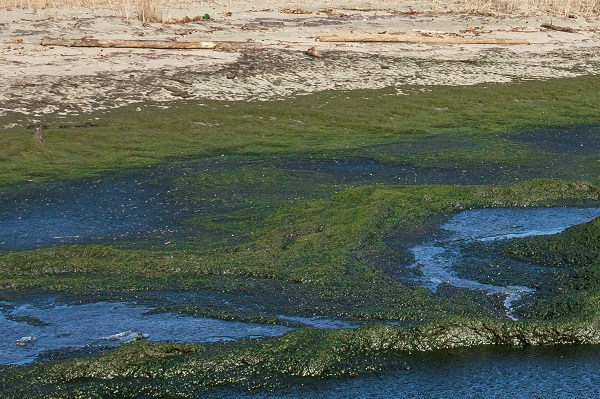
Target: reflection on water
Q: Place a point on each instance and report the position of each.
(435, 259)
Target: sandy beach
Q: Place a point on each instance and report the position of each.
(261, 53)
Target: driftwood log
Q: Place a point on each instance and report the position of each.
(558, 28)
(419, 39)
(155, 44)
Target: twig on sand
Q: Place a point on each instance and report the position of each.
(559, 28)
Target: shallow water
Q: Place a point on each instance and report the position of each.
(53, 214)
(436, 259)
(29, 330)
(44, 324)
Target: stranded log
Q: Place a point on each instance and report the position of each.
(157, 44)
(419, 39)
(558, 28)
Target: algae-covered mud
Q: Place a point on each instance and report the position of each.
(334, 210)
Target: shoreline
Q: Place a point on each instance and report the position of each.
(261, 55)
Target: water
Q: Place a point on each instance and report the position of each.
(29, 330)
(89, 210)
(435, 259)
(561, 372)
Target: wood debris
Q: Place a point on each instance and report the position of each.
(155, 44)
(419, 39)
(312, 51)
(559, 28)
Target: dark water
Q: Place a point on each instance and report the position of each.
(561, 372)
(95, 209)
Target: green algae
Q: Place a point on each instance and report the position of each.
(316, 246)
(286, 262)
(317, 123)
(319, 256)
(575, 252)
(149, 369)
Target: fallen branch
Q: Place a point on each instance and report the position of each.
(558, 28)
(417, 39)
(155, 44)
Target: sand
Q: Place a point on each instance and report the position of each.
(261, 53)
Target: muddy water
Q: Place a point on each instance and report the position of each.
(436, 260)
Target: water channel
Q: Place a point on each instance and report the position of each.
(436, 260)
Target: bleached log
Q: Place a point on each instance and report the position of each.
(154, 44)
(419, 39)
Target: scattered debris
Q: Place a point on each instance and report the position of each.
(312, 51)
(294, 11)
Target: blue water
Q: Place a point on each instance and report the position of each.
(435, 258)
(71, 213)
(29, 330)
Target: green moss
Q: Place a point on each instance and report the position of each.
(576, 251)
(321, 122)
(317, 255)
(303, 241)
(576, 246)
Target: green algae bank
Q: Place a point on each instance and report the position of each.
(280, 211)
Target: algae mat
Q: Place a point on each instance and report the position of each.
(291, 205)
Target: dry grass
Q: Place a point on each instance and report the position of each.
(552, 7)
(150, 10)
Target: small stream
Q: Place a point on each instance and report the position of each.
(437, 259)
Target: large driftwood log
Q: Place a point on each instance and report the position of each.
(155, 44)
(419, 39)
